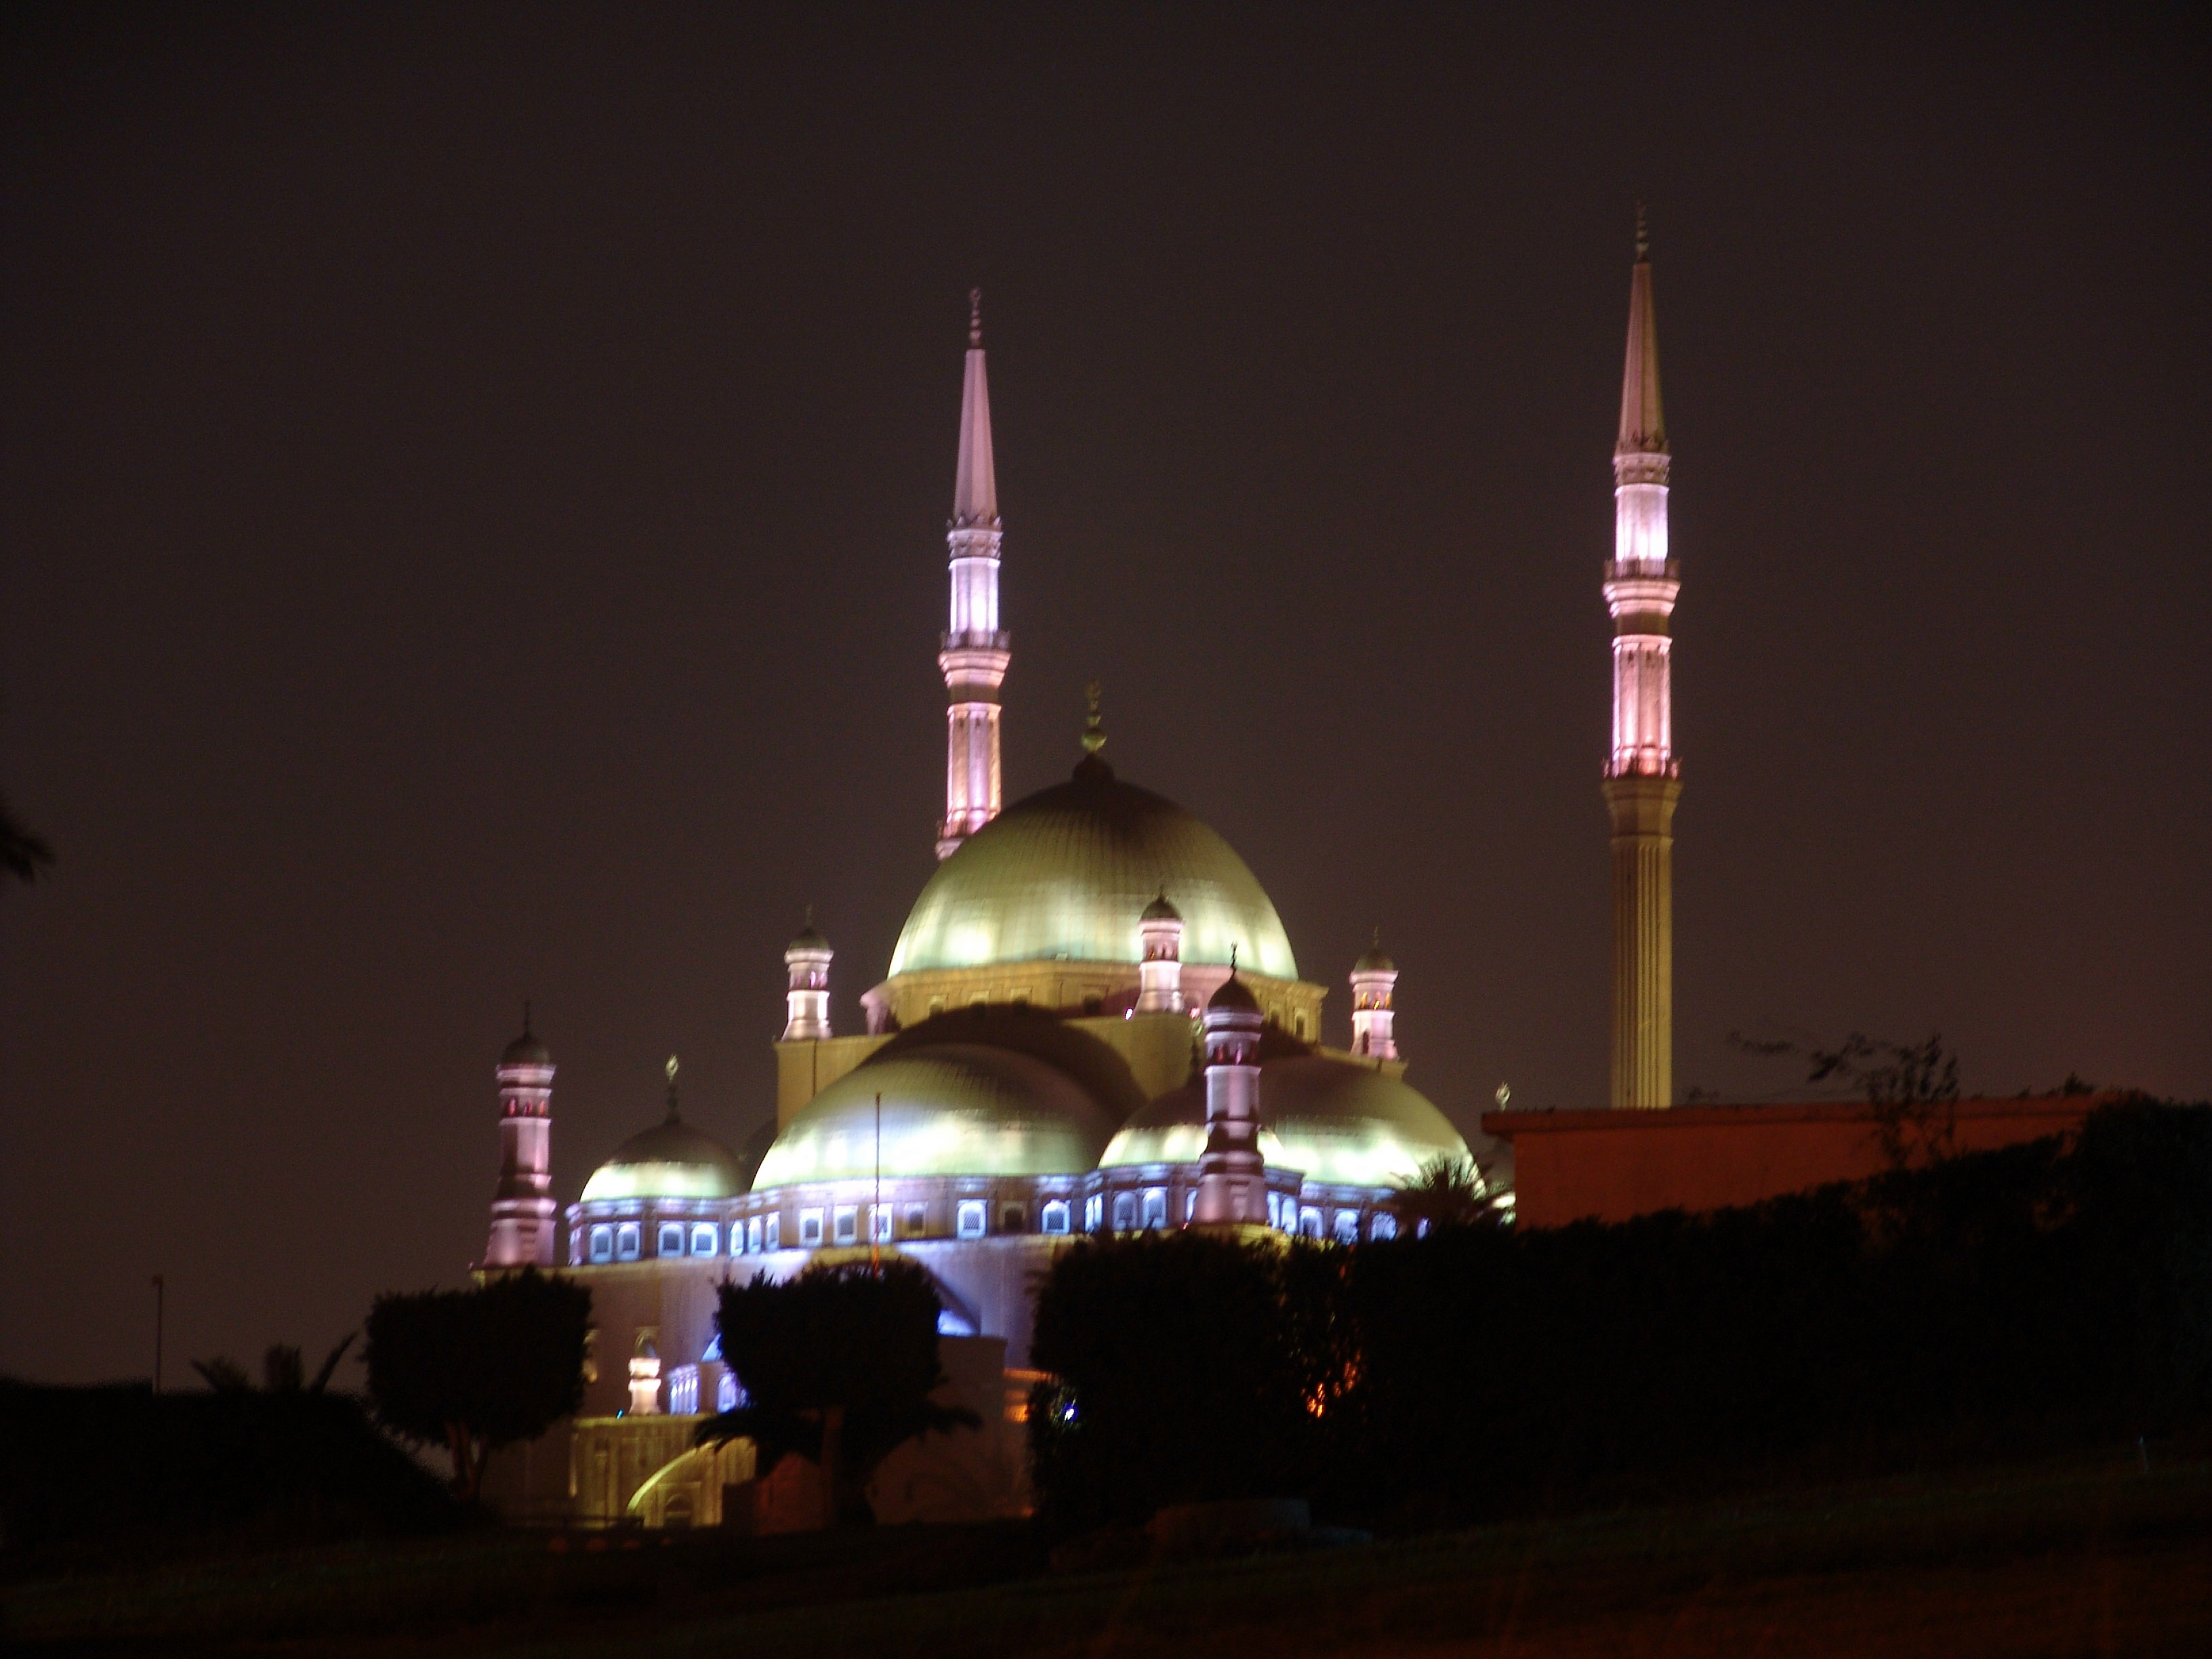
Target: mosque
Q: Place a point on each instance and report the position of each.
(1093, 1022)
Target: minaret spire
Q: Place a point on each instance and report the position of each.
(975, 650)
(1643, 778)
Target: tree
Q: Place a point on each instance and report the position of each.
(281, 1371)
(22, 855)
(837, 1365)
(1911, 1087)
(479, 1369)
(1450, 1192)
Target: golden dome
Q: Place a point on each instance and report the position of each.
(1337, 1122)
(1067, 873)
(949, 1109)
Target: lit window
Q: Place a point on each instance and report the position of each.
(1013, 1218)
(1156, 1209)
(705, 1238)
(1310, 1222)
(1383, 1226)
(845, 1221)
(1054, 1220)
(879, 1223)
(683, 1391)
(969, 1222)
(1274, 1209)
(810, 1229)
(671, 1239)
(775, 1232)
(1125, 1212)
(1094, 1213)
(1347, 1226)
(753, 1237)
(628, 1244)
(917, 1220)
(725, 1392)
(603, 1243)
(1189, 1205)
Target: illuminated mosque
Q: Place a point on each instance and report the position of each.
(1093, 1022)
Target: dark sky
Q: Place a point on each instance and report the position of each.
(473, 493)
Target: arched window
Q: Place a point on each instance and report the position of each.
(1347, 1226)
(845, 1223)
(1156, 1209)
(810, 1229)
(629, 1246)
(1125, 1212)
(670, 1242)
(969, 1221)
(1384, 1225)
(602, 1242)
(775, 1232)
(705, 1238)
(1054, 1219)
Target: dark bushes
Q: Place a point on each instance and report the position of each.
(2040, 1295)
(122, 1469)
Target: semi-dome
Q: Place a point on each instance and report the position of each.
(527, 1050)
(950, 1108)
(669, 1160)
(1067, 873)
(1338, 1122)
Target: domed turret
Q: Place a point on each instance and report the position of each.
(522, 1205)
(1374, 983)
(1232, 1184)
(1159, 975)
(806, 963)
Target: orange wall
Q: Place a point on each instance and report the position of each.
(1614, 1164)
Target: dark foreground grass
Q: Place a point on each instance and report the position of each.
(2079, 1557)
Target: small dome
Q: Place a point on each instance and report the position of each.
(807, 939)
(1338, 1122)
(1374, 959)
(1160, 910)
(1234, 994)
(1063, 875)
(527, 1050)
(950, 1108)
(669, 1160)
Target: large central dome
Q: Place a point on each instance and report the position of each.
(1066, 874)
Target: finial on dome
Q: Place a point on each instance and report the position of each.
(1094, 728)
(672, 1088)
(974, 317)
(1643, 235)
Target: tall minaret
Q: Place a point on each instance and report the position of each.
(522, 1205)
(1374, 984)
(976, 648)
(806, 965)
(1642, 779)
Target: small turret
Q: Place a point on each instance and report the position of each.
(522, 1207)
(806, 960)
(1232, 1180)
(1159, 973)
(1374, 981)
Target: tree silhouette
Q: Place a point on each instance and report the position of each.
(837, 1365)
(22, 855)
(479, 1369)
(282, 1371)
(1448, 1191)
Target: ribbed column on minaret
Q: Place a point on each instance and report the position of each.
(1233, 1176)
(806, 962)
(1642, 779)
(976, 650)
(522, 1228)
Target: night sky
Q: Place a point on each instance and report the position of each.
(473, 492)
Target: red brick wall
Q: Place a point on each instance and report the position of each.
(1615, 1165)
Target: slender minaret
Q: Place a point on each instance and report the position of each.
(522, 1207)
(976, 648)
(1233, 1176)
(1159, 972)
(1374, 983)
(806, 961)
(1642, 779)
